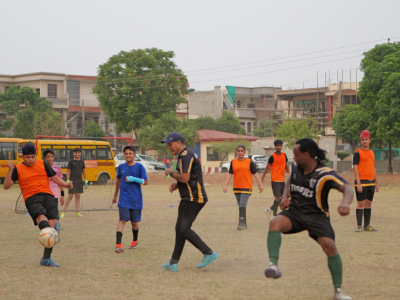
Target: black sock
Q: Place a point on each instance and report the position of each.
(47, 253)
(43, 224)
(135, 234)
(119, 237)
(359, 214)
(367, 216)
(274, 207)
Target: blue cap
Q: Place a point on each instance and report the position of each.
(28, 149)
(172, 137)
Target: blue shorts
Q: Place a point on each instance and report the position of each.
(127, 214)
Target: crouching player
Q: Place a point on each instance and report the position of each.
(33, 178)
(309, 184)
(130, 177)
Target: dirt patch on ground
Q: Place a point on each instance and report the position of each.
(219, 179)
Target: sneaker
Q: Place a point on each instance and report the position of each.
(207, 259)
(242, 227)
(118, 248)
(359, 229)
(58, 228)
(62, 215)
(340, 295)
(133, 245)
(269, 212)
(272, 271)
(370, 228)
(48, 262)
(172, 268)
(78, 215)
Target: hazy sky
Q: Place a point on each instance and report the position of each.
(76, 36)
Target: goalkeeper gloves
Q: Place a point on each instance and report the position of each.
(86, 184)
(135, 179)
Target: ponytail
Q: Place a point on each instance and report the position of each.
(310, 146)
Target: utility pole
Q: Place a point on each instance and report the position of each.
(316, 111)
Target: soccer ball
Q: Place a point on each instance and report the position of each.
(48, 237)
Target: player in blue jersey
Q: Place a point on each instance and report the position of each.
(130, 177)
(309, 184)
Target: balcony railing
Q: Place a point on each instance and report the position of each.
(58, 101)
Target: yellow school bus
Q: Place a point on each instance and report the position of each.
(97, 155)
(8, 151)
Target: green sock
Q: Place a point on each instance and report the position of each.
(336, 268)
(274, 243)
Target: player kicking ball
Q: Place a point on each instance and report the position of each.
(309, 184)
(33, 178)
(130, 177)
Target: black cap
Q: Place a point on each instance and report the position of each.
(277, 142)
(28, 149)
(46, 151)
(77, 150)
(172, 137)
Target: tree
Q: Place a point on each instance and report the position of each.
(228, 147)
(93, 129)
(267, 127)
(28, 114)
(294, 129)
(204, 123)
(150, 137)
(138, 87)
(229, 123)
(348, 124)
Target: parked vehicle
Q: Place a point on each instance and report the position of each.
(259, 160)
(150, 164)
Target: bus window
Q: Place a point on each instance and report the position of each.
(7, 151)
(104, 153)
(88, 154)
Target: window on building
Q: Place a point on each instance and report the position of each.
(276, 104)
(238, 103)
(212, 155)
(96, 119)
(351, 99)
(251, 99)
(251, 105)
(6, 88)
(52, 90)
(243, 125)
(38, 91)
(248, 127)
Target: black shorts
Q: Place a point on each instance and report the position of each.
(77, 186)
(317, 224)
(367, 193)
(278, 188)
(42, 204)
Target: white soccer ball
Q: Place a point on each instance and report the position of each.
(48, 237)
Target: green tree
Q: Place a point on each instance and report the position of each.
(138, 87)
(28, 114)
(267, 127)
(229, 123)
(294, 129)
(204, 123)
(228, 147)
(377, 92)
(348, 124)
(93, 129)
(151, 136)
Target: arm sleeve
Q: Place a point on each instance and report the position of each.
(14, 175)
(286, 157)
(271, 159)
(119, 172)
(356, 158)
(333, 181)
(253, 168)
(49, 170)
(230, 169)
(69, 165)
(83, 164)
(186, 163)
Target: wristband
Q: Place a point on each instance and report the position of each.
(135, 179)
(62, 193)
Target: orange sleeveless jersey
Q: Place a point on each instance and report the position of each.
(366, 165)
(33, 180)
(242, 177)
(278, 167)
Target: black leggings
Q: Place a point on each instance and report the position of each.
(187, 213)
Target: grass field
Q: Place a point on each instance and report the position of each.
(90, 269)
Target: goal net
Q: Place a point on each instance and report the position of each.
(101, 157)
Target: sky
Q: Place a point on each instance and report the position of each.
(216, 43)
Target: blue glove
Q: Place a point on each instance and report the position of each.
(135, 179)
(86, 184)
